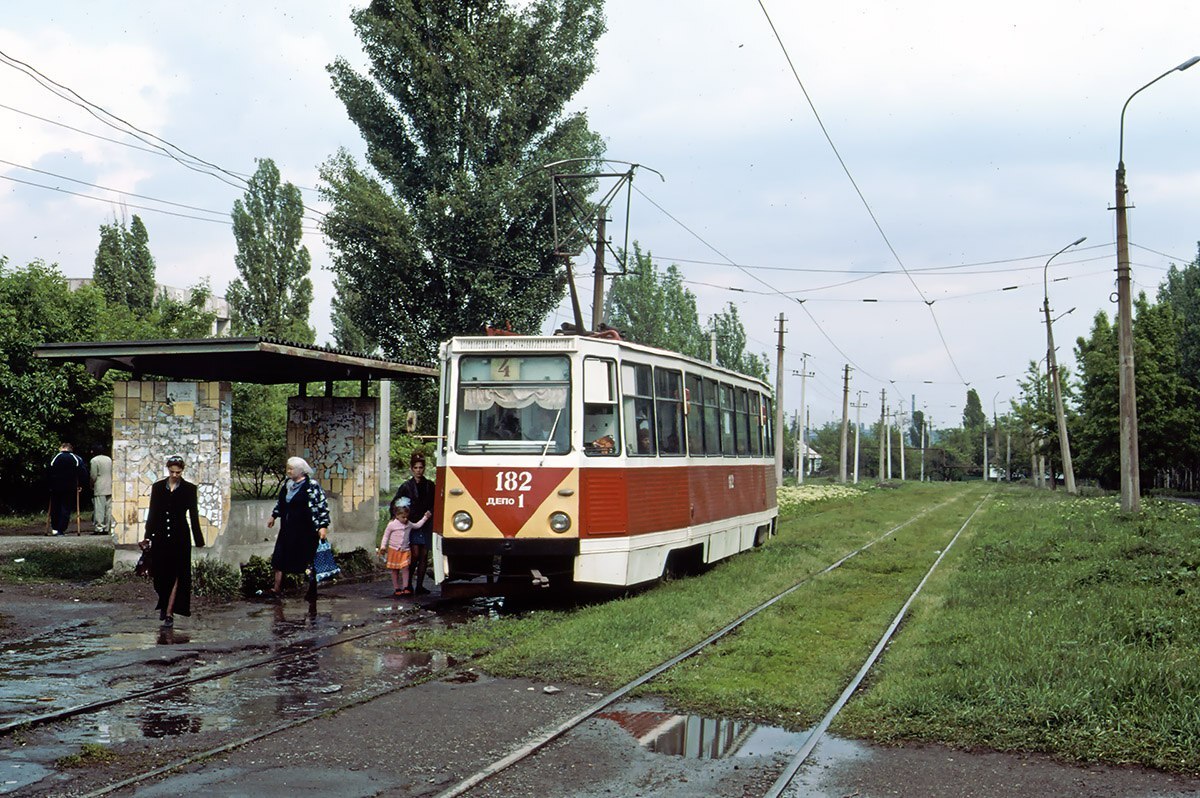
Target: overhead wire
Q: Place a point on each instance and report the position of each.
(870, 211)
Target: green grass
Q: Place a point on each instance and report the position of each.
(74, 564)
(89, 754)
(609, 644)
(1060, 626)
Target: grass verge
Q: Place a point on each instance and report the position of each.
(1061, 627)
(74, 564)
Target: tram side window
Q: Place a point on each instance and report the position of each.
(712, 418)
(741, 422)
(638, 386)
(600, 433)
(668, 406)
(694, 411)
(756, 424)
(769, 427)
(727, 437)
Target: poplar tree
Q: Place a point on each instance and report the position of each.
(124, 267)
(272, 292)
(448, 227)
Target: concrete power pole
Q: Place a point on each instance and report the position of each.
(803, 444)
(858, 406)
(882, 428)
(598, 277)
(900, 416)
(845, 423)
(779, 408)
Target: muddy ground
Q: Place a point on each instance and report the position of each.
(422, 740)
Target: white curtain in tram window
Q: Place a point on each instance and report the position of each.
(487, 398)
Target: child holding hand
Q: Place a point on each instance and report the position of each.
(395, 544)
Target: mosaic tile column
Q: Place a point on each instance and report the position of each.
(152, 420)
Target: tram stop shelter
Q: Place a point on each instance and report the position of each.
(178, 400)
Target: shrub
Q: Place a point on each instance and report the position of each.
(215, 579)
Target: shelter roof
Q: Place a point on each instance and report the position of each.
(265, 361)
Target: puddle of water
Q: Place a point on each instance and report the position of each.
(696, 737)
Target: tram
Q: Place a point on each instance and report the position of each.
(595, 461)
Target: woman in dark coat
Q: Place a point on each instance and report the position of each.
(303, 514)
(169, 539)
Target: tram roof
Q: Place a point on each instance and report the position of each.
(265, 361)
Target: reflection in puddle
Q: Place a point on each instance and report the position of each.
(695, 737)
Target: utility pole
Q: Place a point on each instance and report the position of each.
(598, 277)
(804, 440)
(858, 406)
(985, 468)
(924, 421)
(1052, 368)
(796, 443)
(845, 423)
(882, 427)
(712, 347)
(779, 408)
(889, 444)
(900, 416)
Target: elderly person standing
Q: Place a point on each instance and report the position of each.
(101, 472)
(172, 506)
(303, 515)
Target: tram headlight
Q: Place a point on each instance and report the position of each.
(462, 521)
(560, 522)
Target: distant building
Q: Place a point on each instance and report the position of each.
(217, 305)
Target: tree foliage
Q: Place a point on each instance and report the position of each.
(449, 227)
(124, 267)
(654, 307)
(272, 292)
(43, 403)
(1181, 290)
(731, 344)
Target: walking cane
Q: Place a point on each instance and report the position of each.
(78, 529)
(49, 514)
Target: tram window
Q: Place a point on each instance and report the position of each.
(668, 406)
(638, 387)
(694, 410)
(517, 405)
(769, 427)
(600, 433)
(742, 423)
(712, 418)
(756, 424)
(727, 437)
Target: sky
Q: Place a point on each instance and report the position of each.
(896, 197)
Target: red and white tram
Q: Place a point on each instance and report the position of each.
(597, 461)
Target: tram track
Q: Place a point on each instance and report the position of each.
(532, 747)
(465, 785)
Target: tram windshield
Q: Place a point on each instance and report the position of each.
(513, 405)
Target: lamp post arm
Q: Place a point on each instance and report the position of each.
(1121, 151)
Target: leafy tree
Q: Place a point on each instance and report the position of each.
(124, 268)
(259, 438)
(1181, 290)
(731, 344)
(914, 431)
(346, 333)
(973, 416)
(43, 403)
(653, 307)
(272, 292)
(450, 227)
(1097, 435)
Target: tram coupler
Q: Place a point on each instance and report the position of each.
(538, 579)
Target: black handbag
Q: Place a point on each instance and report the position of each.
(145, 563)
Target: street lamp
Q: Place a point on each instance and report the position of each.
(1130, 480)
(1052, 367)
